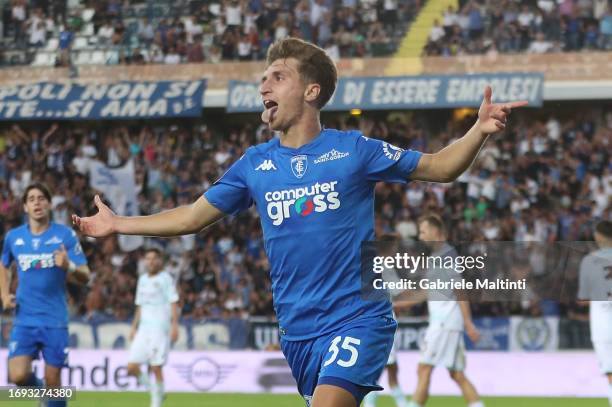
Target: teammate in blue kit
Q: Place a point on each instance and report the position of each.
(314, 190)
(47, 255)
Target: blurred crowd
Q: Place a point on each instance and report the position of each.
(549, 178)
(511, 26)
(172, 32)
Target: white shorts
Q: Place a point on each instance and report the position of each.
(393, 355)
(150, 347)
(444, 348)
(603, 350)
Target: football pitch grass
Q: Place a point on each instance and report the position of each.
(132, 399)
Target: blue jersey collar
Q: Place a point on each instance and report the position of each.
(306, 147)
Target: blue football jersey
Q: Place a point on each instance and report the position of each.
(41, 291)
(316, 205)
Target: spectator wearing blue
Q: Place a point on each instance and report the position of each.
(65, 43)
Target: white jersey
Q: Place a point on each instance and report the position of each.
(444, 309)
(154, 295)
(595, 285)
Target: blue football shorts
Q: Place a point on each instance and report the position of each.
(352, 357)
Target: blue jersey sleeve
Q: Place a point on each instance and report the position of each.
(382, 161)
(7, 255)
(74, 249)
(230, 194)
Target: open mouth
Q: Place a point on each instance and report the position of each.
(270, 111)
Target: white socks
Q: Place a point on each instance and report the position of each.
(157, 393)
(396, 392)
(143, 379)
(412, 403)
(610, 394)
(398, 396)
(370, 399)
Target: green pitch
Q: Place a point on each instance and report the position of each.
(128, 399)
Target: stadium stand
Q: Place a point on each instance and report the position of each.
(112, 32)
(491, 27)
(547, 180)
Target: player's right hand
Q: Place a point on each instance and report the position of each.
(132, 334)
(8, 302)
(472, 332)
(100, 225)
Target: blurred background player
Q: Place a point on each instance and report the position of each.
(595, 287)
(47, 255)
(390, 246)
(155, 324)
(448, 318)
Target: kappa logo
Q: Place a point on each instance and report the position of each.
(392, 152)
(54, 240)
(19, 242)
(330, 156)
(267, 165)
(299, 165)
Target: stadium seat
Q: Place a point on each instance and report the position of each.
(88, 30)
(98, 57)
(80, 43)
(44, 58)
(88, 14)
(83, 58)
(112, 57)
(52, 44)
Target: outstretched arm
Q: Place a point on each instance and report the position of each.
(8, 300)
(450, 162)
(174, 222)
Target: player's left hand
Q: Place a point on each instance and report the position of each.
(174, 333)
(61, 258)
(492, 117)
(472, 332)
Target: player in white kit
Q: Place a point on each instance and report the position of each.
(595, 286)
(443, 344)
(155, 324)
(390, 274)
